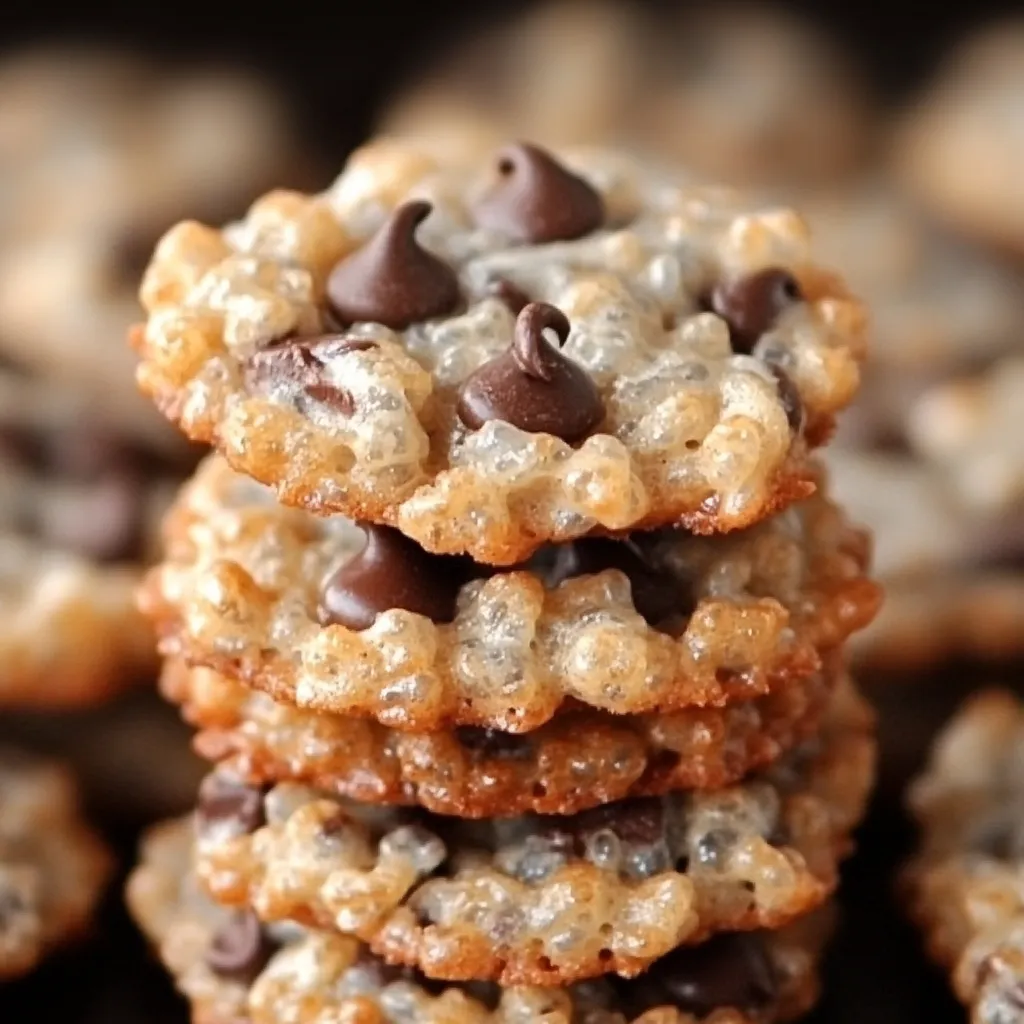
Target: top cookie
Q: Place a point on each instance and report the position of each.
(490, 357)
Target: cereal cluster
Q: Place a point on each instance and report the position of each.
(511, 607)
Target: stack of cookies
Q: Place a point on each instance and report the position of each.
(510, 610)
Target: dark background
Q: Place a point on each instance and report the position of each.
(339, 65)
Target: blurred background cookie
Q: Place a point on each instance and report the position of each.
(740, 93)
(100, 152)
(961, 145)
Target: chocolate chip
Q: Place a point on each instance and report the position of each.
(392, 279)
(536, 199)
(493, 743)
(728, 971)
(301, 362)
(664, 599)
(226, 803)
(751, 305)
(532, 385)
(240, 948)
(789, 396)
(639, 821)
(391, 572)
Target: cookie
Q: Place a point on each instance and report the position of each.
(132, 757)
(963, 885)
(950, 585)
(564, 73)
(546, 900)
(971, 613)
(79, 514)
(100, 153)
(960, 144)
(331, 617)
(737, 93)
(493, 355)
(750, 94)
(52, 867)
(970, 430)
(938, 304)
(471, 772)
(231, 970)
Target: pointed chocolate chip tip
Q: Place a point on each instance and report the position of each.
(533, 385)
(392, 279)
(530, 349)
(535, 199)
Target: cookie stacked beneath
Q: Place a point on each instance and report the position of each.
(510, 610)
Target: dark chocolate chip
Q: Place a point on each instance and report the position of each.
(532, 385)
(536, 199)
(664, 599)
(392, 279)
(639, 822)
(391, 572)
(240, 948)
(789, 396)
(751, 305)
(301, 362)
(493, 743)
(230, 804)
(728, 971)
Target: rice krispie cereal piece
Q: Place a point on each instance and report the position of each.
(360, 621)
(538, 900)
(100, 153)
(494, 354)
(964, 886)
(962, 142)
(52, 867)
(230, 969)
(79, 513)
(471, 772)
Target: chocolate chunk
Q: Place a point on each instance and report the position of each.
(240, 948)
(227, 803)
(751, 305)
(664, 599)
(789, 396)
(392, 279)
(532, 385)
(492, 743)
(391, 572)
(732, 970)
(536, 199)
(302, 363)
